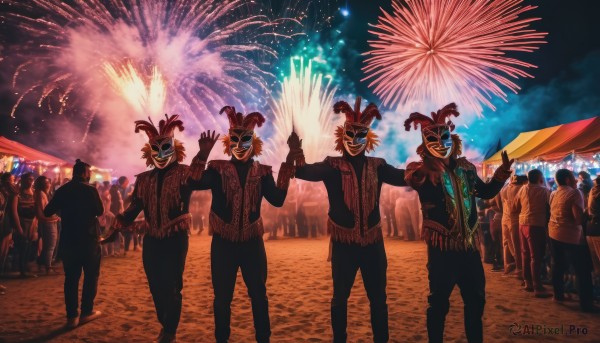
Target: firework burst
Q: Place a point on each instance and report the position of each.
(183, 56)
(437, 51)
(305, 105)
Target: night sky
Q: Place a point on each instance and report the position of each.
(565, 87)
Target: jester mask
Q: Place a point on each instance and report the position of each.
(241, 142)
(162, 148)
(355, 136)
(436, 132)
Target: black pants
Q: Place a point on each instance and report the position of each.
(164, 262)
(447, 269)
(225, 259)
(84, 255)
(579, 256)
(23, 248)
(346, 260)
(129, 236)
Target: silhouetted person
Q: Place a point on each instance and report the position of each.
(79, 204)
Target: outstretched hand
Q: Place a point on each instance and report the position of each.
(506, 163)
(206, 143)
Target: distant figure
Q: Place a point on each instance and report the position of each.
(26, 224)
(8, 204)
(585, 185)
(568, 243)
(79, 204)
(48, 228)
(532, 203)
(593, 224)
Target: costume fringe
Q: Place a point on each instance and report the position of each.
(352, 199)
(233, 193)
(181, 223)
(147, 191)
(352, 235)
(436, 235)
(233, 233)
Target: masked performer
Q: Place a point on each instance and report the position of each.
(163, 193)
(353, 182)
(448, 185)
(238, 186)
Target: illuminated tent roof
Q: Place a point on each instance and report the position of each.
(554, 143)
(12, 148)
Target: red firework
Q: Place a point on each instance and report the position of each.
(450, 50)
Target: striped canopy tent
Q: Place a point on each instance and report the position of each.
(12, 148)
(578, 140)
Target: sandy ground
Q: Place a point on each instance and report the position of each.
(299, 289)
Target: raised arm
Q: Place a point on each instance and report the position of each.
(196, 179)
(491, 189)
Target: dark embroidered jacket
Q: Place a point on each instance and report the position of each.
(164, 196)
(237, 189)
(353, 186)
(449, 209)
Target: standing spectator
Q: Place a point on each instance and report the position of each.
(116, 207)
(511, 241)
(485, 234)
(532, 203)
(79, 205)
(495, 219)
(26, 224)
(130, 234)
(9, 208)
(47, 225)
(566, 235)
(585, 185)
(593, 225)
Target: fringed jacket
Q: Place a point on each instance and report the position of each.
(353, 186)
(238, 189)
(164, 196)
(449, 208)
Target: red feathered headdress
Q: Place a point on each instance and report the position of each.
(166, 127)
(238, 121)
(356, 116)
(437, 119)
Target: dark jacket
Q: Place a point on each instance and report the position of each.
(449, 207)
(237, 192)
(79, 204)
(353, 187)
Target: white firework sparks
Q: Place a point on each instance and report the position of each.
(196, 56)
(305, 105)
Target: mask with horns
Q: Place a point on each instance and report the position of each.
(436, 132)
(356, 135)
(162, 148)
(242, 142)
